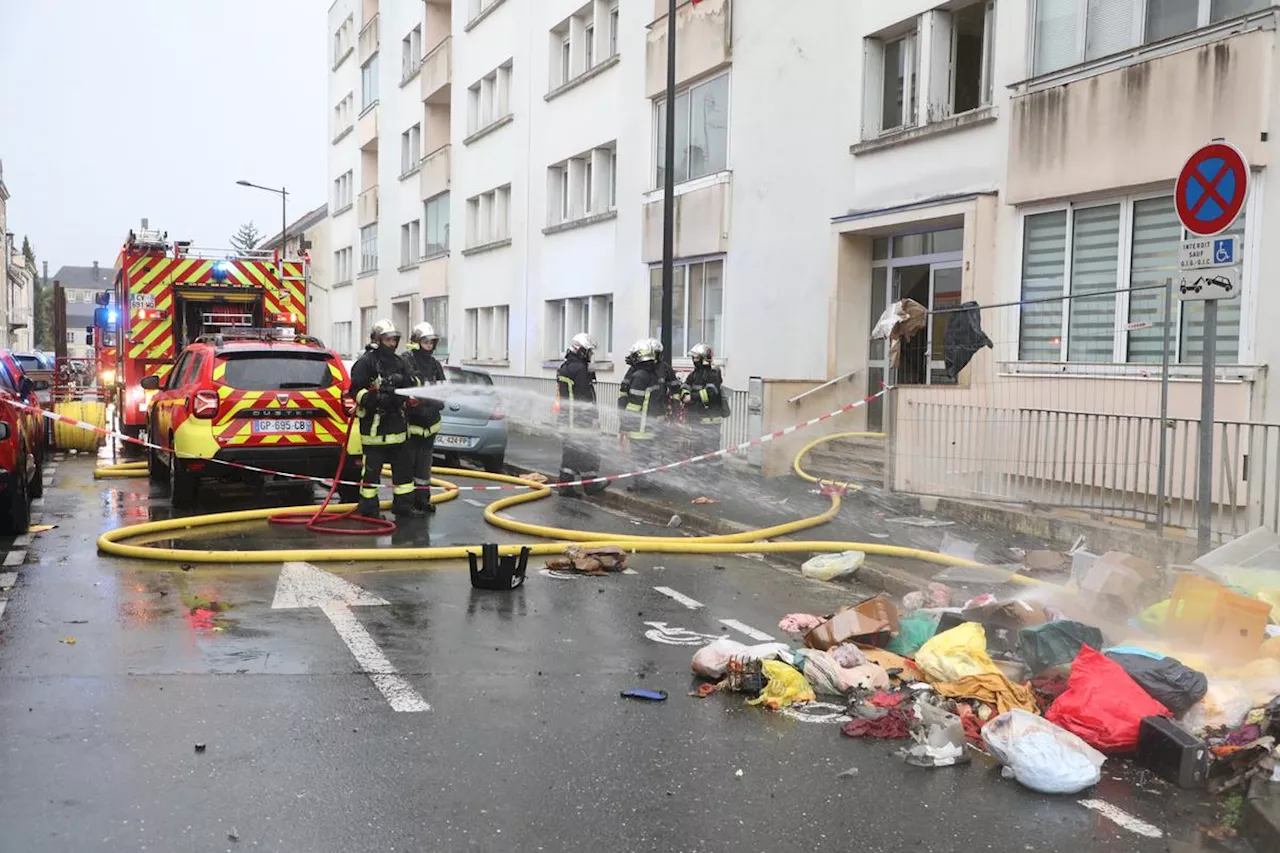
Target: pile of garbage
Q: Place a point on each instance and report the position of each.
(589, 560)
(1180, 674)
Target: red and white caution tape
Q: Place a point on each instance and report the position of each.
(670, 466)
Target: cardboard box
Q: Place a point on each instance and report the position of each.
(876, 615)
(1118, 575)
(1003, 620)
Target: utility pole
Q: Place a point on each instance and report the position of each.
(669, 189)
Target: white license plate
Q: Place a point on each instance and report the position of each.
(271, 426)
(454, 441)
(142, 300)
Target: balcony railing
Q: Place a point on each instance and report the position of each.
(436, 171)
(437, 71)
(367, 207)
(370, 38)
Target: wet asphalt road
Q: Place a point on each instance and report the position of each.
(527, 745)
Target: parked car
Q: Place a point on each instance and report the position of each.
(21, 446)
(257, 400)
(38, 365)
(473, 424)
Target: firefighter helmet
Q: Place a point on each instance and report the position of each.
(701, 354)
(655, 344)
(382, 329)
(583, 345)
(643, 351)
(423, 333)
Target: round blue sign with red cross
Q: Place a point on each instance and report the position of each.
(1211, 189)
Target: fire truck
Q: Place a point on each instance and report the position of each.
(166, 295)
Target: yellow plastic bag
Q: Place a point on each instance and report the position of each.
(955, 654)
(786, 686)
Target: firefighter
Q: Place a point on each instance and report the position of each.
(579, 419)
(423, 413)
(375, 377)
(671, 446)
(642, 400)
(703, 398)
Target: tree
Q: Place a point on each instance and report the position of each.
(246, 237)
(42, 318)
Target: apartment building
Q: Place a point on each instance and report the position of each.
(535, 128)
(19, 299)
(80, 287)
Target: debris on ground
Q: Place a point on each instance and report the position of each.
(1177, 673)
(828, 567)
(919, 521)
(675, 521)
(200, 747)
(589, 560)
(703, 501)
(645, 695)
(534, 477)
(68, 641)
(41, 528)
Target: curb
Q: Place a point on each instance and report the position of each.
(895, 582)
(1261, 821)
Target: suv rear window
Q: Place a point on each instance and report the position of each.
(277, 371)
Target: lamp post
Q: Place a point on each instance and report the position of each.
(669, 187)
(284, 215)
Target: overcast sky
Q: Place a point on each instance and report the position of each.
(112, 110)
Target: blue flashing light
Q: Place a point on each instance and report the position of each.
(112, 316)
(221, 269)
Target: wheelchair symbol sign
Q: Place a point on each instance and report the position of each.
(1224, 252)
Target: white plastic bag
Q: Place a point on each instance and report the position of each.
(1225, 703)
(711, 660)
(826, 567)
(1043, 757)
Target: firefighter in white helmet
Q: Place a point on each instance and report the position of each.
(702, 394)
(423, 412)
(579, 419)
(375, 378)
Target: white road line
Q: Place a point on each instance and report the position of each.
(8, 580)
(15, 558)
(399, 693)
(746, 629)
(688, 602)
(1122, 818)
(23, 540)
(3, 603)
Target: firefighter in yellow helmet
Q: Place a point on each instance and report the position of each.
(384, 431)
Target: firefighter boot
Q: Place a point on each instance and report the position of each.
(368, 508)
(422, 501)
(403, 507)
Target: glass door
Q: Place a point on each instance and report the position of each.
(944, 292)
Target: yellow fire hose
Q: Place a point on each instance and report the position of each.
(115, 542)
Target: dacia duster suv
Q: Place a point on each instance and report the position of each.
(276, 404)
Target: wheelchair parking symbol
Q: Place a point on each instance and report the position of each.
(1224, 252)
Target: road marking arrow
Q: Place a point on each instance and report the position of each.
(302, 585)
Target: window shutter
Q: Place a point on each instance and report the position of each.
(1056, 30)
(1044, 248)
(872, 84)
(936, 62)
(1111, 27)
(1095, 263)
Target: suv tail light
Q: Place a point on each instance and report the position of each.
(348, 405)
(498, 412)
(204, 404)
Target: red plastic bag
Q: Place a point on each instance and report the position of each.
(1102, 704)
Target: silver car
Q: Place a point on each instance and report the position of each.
(473, 423)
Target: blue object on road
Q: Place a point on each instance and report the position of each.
(646, 695)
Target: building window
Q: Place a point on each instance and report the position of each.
(475, 7)
(342, 265)
(613, 31)
(697, 314)
(342, 191)
(1110, 26)
(898, 92)
(411, 53)
(410, 149)
(582, 185)
(369, 248)
(613, 179)
(1105, 246)
(71, 337)
(342, 338)
(369, 83)
(489, 99)
(342, 41)
(568, 317)
(435, 310)
(410, 240)
(342, 115)
(366, 324)
(489, 217)
(971, 51)
(589, 47)
(486, 336)
(702, 131)
(436, 215)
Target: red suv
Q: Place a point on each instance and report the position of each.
(21, 446)
(257, 400)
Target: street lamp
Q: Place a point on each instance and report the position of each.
(284, 215)
(669, 187)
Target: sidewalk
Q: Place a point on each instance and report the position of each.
(747, 501)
